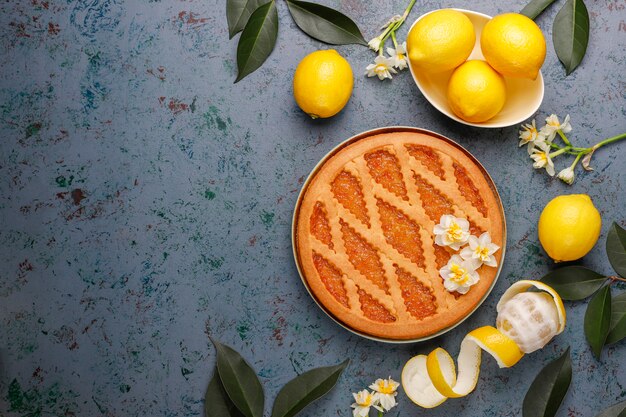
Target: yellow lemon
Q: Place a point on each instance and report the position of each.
(476, 92)
(569, 226)
(440, 41)
(513, 45)
(322, 84)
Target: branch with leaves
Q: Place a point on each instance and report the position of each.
(605, 318)
(570, 30)
(235, 389)
(257, 20)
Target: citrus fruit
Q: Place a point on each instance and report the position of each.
(569, 226)
(531, 319)
(513, 45)
(476, 92)
(322, 84)
(526, 322)
(440, 41)
(428, 380)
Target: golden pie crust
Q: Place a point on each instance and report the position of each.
(363, 232)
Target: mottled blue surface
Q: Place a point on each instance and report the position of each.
(146, 203)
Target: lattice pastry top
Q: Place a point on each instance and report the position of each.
(364, 233)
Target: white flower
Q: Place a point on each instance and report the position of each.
(374, 44)
(459, 275)
(363, 401)
(451, 231)
(382, 67)
(398, 56)
(385, 392)
(481, 249)
(567, 175)
(541, 155)
(553, 126)
(529, 135)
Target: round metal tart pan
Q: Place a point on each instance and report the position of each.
(353, 139)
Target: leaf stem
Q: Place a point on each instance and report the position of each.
(559, 152)
(580, 155)
(614, 278)
(408, 10)
(610, 140)
(571, 150)
(391, 29)
(562, 135)
(380, 413)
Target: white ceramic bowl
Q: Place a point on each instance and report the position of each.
(523, 96)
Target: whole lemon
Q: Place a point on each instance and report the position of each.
(440, 41)
(569, 226)
(513, 45)
(322, 84)
(476, 92)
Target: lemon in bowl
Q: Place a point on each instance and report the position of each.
(513, 45)
(441, 41)
(523, 95)
(476, 92)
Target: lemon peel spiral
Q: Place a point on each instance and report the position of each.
(429, 380)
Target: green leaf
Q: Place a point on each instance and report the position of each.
(617, 410)
(257, 40)
(535, 7)
(238, 12)
(306, 388)
(547, 391)
(617, 328)
(616, 249)
(325, 24)
(574, 282)
(598, 319)
(570, 34)
(240, 381)
(216, 401)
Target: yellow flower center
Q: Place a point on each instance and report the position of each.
(367, 401)
(553, 123)
(385, 388)
(400, 56)
(380, 69)
(532, 132)
(459, 275)
(482, 252)
(455, 232)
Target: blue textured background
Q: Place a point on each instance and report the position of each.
(146, 203)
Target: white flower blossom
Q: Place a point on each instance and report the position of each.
(481, 249)
(459, 275)
(363, 400)
(385, 392)
(451, 231)
(567, 175)
(398, 56)
(553, 125)
(529, 135)
(382, 67)
(541, 155)
(374, 44)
